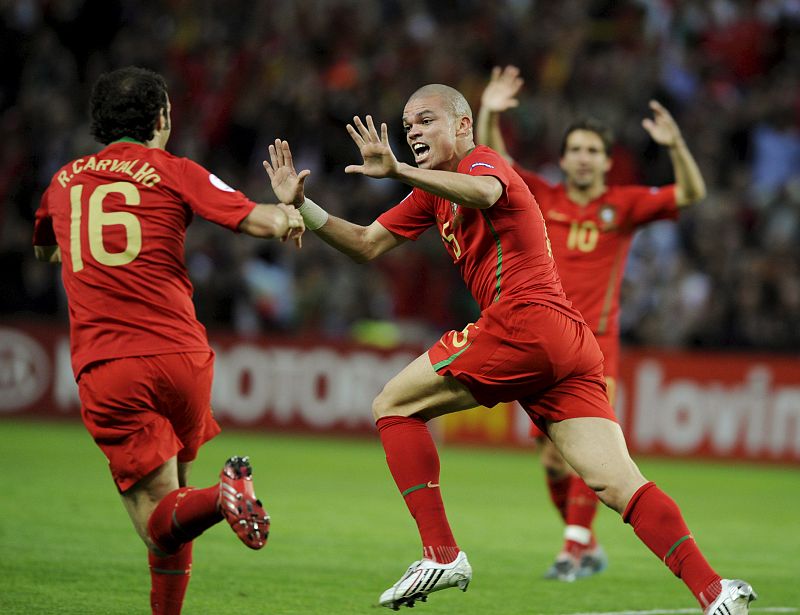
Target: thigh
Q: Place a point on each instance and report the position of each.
(141, 499)
(184, 393)
(419, 391)
(596, 449)
(141, 411)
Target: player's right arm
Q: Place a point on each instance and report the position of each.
(47, 254)
(45, 248)
(499, 96)
(361, 243)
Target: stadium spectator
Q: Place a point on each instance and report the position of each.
(737, 124)
(591, 226)
(529, 343)
(116, 222)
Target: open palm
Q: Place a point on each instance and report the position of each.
(500, 94)
(286, 182)
(379, 159)
(662, 127)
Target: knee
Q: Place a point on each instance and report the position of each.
(617, 492)
(553, 463)
(382, 406)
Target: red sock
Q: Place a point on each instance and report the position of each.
(182, 515)
(169, 577)
(581, 508)
(414, 464)
(558, 488)
(658, 523)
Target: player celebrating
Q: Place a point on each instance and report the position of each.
(591, 226)
(116, 220)
(529, 343)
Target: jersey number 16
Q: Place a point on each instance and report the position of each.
(97, 219)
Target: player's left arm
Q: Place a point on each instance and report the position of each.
(479, 192)
(690, 187)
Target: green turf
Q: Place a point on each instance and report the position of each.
(341, 533)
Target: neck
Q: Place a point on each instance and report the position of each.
(583, 196)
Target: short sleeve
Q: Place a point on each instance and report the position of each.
(410, 217)
(649, 204)
(211, 198)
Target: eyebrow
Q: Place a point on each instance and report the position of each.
(423, 112)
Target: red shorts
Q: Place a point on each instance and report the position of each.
(141, 411)
(609, 346)
(531, 353)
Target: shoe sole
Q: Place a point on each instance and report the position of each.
(409, 601)
(252, 526)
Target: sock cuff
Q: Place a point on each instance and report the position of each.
(179, 562)
(386, 422)
(626, 515)
(578, 533)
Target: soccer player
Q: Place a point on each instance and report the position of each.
(591, 226)
(529, 343)
(116, 221)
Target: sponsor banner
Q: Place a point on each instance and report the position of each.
(681, 404)
(714, 405)
(259, 383)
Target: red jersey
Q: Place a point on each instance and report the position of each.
(502, 252)
(119, 218)
(591, 242)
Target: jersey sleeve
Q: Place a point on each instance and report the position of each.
(486, 161)
(410, 217)
(211, 198)
(43, 234)
(648, 204)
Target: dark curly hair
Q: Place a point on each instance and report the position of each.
(590, 124)
(126, 103)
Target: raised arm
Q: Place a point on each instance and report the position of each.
(499, 95)
(689, 184)
(361, 243)
(479, 192)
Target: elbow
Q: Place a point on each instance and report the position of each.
(490, 196)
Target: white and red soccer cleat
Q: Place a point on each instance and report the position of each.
(239, 504)
(424, 577)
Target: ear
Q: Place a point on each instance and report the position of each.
(464, 126)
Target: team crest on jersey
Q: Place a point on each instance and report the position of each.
(608, 216)
(458, 217)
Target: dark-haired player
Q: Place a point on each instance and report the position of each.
(116, 221)
(529, 343)
(591, 226)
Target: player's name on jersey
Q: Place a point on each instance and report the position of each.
(142, 173)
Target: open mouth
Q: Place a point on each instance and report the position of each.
(420, 151)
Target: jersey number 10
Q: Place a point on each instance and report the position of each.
(97, 219)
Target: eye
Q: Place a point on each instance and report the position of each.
(406, 127)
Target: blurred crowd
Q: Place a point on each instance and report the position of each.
(241, 74)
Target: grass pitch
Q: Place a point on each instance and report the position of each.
(341, 533)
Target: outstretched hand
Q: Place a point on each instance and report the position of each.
(379, 160)
(662, 127)
(286, 182)
(295, 227)
(500, 94)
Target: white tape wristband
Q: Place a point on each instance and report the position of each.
(313, 215)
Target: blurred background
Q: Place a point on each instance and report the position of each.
(241, 74)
